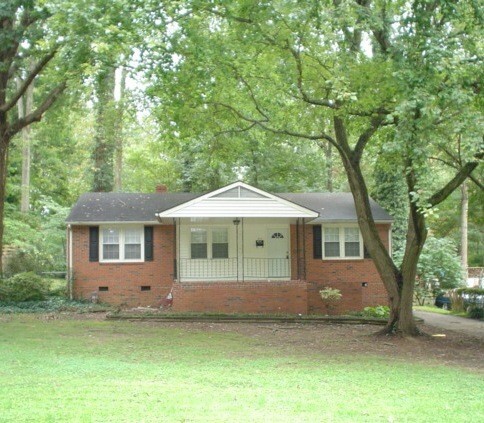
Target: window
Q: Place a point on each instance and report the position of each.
(122, 244)
(213, 241)
(198, 243)
(331, 242)
(352, 242)
(220, 243)
(341, 242)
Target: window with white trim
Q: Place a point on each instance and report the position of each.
(121, 244)
(342, 242)
(220, 243)
(198, 240)
(209, 243)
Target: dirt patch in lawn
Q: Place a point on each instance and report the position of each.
(448, 348)
(453, 349)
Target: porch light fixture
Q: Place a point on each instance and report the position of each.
(236, 221)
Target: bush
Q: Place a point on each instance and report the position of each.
(475, 312)
(378, 311)
(27, 261)
(52, 305)
(467, 298)
(23, 287)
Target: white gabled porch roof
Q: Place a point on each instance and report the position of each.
(238, 200)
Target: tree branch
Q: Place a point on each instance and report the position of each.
(37, 114)
(365, 137)
(304, 95)
(30, 77)
(235, 131)
(263, 124)
(455, 182)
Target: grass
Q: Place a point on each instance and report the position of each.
(115, 371)
(432, 309)
(437, 310)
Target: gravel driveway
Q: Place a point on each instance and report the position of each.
(448, 322)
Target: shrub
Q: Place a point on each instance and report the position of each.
(475, 312)
(58, 290)
(27, 261)
(378, 311)
(330, 297)
(23, 287)
(457, 301)
(330, 294)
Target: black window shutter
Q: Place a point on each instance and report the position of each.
(366, 253)
(317, 242)
(148, 243)
(94, 243)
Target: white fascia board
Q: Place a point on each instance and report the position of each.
(117, 222)
(178, 210)
(322, 222)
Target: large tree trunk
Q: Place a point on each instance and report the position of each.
(118, 141)
(399, 285)
(104, 137)
(463, 230)
(24, 107)
(3, 182)
(328, 155)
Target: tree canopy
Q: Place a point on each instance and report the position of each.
(370, 96)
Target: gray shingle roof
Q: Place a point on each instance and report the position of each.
(123, 207)
(97, 207)
(335, 206)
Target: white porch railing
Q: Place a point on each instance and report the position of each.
(246, 268)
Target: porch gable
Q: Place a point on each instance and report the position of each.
(238, 200)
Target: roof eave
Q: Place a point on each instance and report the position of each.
(112, 222)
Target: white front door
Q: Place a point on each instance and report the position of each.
(278, 253)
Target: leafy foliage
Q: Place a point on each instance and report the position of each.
(39, 237)
(475, 312)
(23, 287)
(439, 262)
(330, 294)
(438, 269)
(390, 192)
(51, 304)
(378, 311)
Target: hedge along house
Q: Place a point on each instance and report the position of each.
(237, 249)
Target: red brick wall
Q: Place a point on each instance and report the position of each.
(241, 297)
(346, 275)
(124, 280)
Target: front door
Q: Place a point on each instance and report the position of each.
(278, 253)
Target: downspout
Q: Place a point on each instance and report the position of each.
(298, 259)
(304, 248)
(175, 262)
(178, 251)
(243, 253)
(69, 273)
(237, 249)
(390, 241)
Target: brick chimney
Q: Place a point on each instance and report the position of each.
(161, 189)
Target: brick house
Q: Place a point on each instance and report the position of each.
(235, 249)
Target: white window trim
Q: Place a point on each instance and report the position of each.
(342, 242)
(121, 229)
(209, 230)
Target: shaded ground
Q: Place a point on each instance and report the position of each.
(453, 349)
(462, 346)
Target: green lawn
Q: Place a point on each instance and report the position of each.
(437, 310)
(432, 309)
(98, 371)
